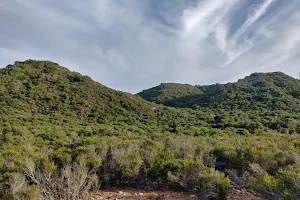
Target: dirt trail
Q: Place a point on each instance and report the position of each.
(128, 194)
(242, 194)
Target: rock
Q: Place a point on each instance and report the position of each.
(141, 194)
(193, 196)
(120, 192)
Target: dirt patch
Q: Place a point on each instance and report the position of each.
(242, 194)
(139, 195)
(128, 194)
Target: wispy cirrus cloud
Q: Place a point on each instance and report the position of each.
(131, 45)
(259, 12)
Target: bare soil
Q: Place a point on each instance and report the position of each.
(128, 194)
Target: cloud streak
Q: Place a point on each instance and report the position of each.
(132, 45)
(253, 17)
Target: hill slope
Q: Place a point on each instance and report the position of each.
(45, 88)
(168, 92)
(265, 99)
(269, 91)
(32, 91)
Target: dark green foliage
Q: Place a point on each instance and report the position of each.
(169, 91)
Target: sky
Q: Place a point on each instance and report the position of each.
(131, 45)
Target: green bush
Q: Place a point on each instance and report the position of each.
(130, 163)
(284, 185)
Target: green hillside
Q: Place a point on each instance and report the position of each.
(63, 134)
(270, 91)
(169, 91)
(35, 92)
(264, 99)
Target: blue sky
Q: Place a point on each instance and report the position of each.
(132, 45)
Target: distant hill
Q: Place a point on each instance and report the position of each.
(268, 91)
(169, 91)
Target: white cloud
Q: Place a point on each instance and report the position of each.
(131, 45)
(253, 18)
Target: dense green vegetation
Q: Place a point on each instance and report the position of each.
(62, 134)
(269, 100)
(268, 91)
(169, 91)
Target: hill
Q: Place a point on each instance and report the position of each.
(63, 134)
(35, 92)
(168, 92)
(261, 99)
(269, 91)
